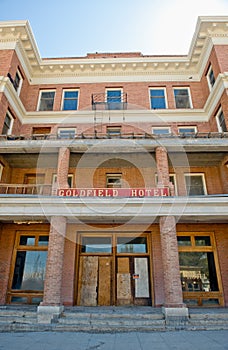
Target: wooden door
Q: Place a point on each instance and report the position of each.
(94, 286)
(133, 285)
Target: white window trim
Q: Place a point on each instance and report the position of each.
(208, 78)
(18, 91)
(117, 175)
(1, 170)
(174, 180)
(187, 127)
(113, 89)
(62, 102)
(67, 129)
(54, 179)
(217, 119)
(161, 128)
(165, 95)
(189, 95)
(39, 98)
(11, 122)
(203, 180)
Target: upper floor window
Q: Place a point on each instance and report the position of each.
(66, 133)
(8, 124)
(1, 170)
(18, 82)
(70, 100)
(113, 131)
(187, 130)
(46, 100)
(210, 77)
(195, 184)
(113, 180)
(69, 180)
(220, 119)
(160, 130)
(172, 179)
(182, 97)
(114, 98)
(157, 98)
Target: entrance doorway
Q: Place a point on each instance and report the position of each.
(114, 270)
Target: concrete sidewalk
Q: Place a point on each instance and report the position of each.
(179, 340)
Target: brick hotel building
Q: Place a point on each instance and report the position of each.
(114, 175)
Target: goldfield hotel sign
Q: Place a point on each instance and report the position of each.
(114, 192)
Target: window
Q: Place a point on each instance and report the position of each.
(157, 98)
(113, 180)
(221, 123)
(69, 180)
(96, 245)
(182, 98)
(18, 82)
(70, 100)
(210, 77)
(29, 268)
(172, 179)
(187, 130)
(195, 184)
(8, 124)
(46, 100)
(66, 133)
(199, 268)
(114, 98)
(131, 245)
(161, 130)
(114, 131)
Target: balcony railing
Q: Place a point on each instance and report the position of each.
(44, 190)
(122, 135)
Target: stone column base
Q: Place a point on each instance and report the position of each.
(49, 314)
(176, 317)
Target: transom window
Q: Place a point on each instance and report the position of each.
(182, 98)
(187, 130)
(195, 184)
(131, 245)
(160, 130)
(210, 77)
(46, 100)
(221, 123)
(113, 180)
(8, 124)
(114, 98)
(157, 98)
(70, 100)
(66, 133)
(96, 245)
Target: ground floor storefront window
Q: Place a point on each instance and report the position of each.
(199, 269)
(28, 268)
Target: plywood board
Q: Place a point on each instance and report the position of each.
(104, 281)
(142, 282)
(123, 265)
(123, 288)
(88, 281)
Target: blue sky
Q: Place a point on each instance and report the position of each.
(74, 28)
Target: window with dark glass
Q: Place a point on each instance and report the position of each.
(46, 100)
(157, 99)
(210, 77)
(195, 184)
(113, 180)
(8, 123)
(96, 245)
(182, 98)
(221, 122)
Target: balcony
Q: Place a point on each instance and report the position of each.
(24, 189)
(117, 101)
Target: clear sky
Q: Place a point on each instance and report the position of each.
(71, 28)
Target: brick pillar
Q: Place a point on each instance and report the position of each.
(170, 259)
(51, 306)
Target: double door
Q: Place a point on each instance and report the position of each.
(105, 280)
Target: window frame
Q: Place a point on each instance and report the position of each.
(189, 96)
(70, 179)
(114, 175)
(165, 97)
(9, 130)
(116, 131)
(189, 132)
(217, 116)
(210, 82)
(112, 103)
(174, 176)
(1, 170)
(203, 183)
(63, 99)
(19, 86)
(40, 98)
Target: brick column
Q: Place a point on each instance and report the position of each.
(173, 303)
(51, 306)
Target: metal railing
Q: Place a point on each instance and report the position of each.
(38, 189)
